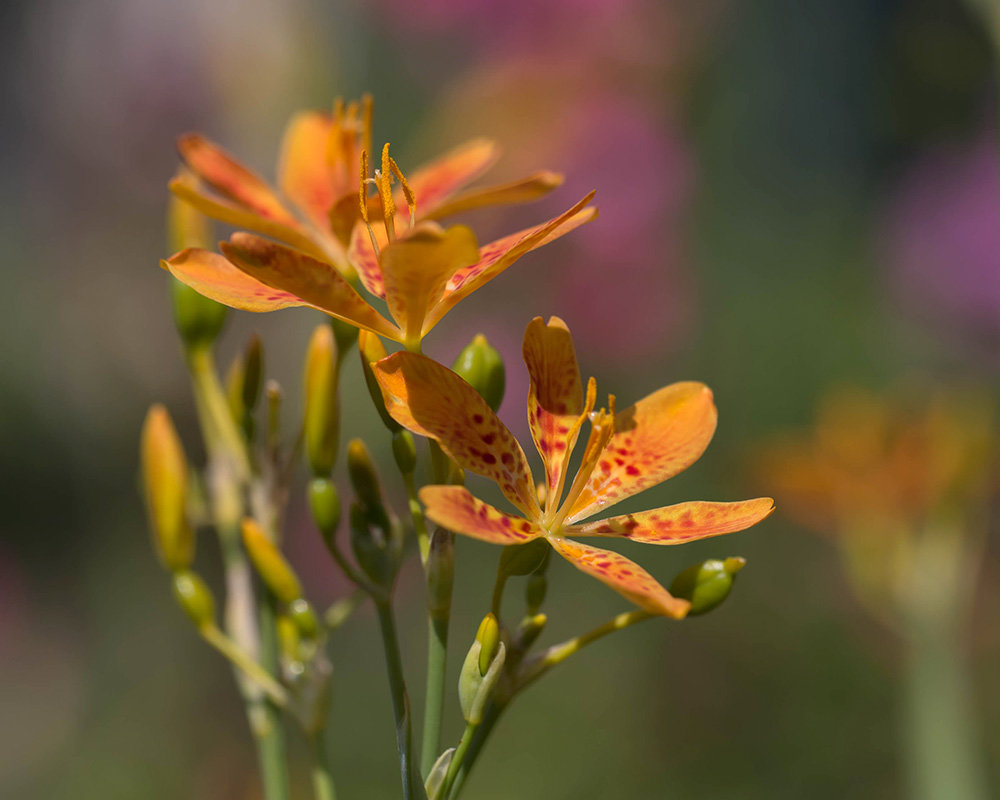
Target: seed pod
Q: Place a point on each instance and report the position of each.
(324, 501)
(165, 479)
(304, 617)
(321, 425)
(706, 585)
(482, 367)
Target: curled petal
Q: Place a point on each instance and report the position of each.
(623, 575)
(555, 396)
(213, 276)
(680, 523)
(304, 172)
(230, 178)
(520, 191)
(661, 435)
(315, 282)
(431, 400)
(455, 508)
(434, 183)
(496, 256)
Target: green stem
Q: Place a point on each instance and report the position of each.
(322, 778)
(413, 788)
(271, 739)
(498, 587)
(456, 762)
(475, 746)
(437, 657)
(417, 516)
(239, 658)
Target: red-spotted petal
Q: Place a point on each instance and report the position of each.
(363, 257)
(431, 400)
(623, 575)
(435, 182)
(316, 282)
(555, 395)
(230, 178)
(660, 436)
(304, 173)
(496, 256)
(213, 276)
(684, 522)
(455, 508)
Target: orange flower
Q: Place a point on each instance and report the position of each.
(324, 241)
(642, 446)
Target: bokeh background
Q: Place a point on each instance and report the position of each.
(794, 194)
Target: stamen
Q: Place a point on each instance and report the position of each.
(367, 107)
(411, 200)
(383, 180)
(363, 200)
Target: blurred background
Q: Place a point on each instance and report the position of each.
(795, 195)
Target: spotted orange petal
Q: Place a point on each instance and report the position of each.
(521, 191)
(431, 400)
(304, 173)
(496, 256)
(230, 178)
(555, 396)
(364, 258)
(455, 508)
(623, 575)
(315, 282)
(684, 522)
(661, 435)
(416, 269)
(435, 182)
(213, 276)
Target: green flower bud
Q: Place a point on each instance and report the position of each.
(302, 614)
(363, 476)
(440, 572)
(369, 547)
(198, 319)
(706, 585)
(523, 559)
(534, 592)
(481, 670)
(243, 384)
(321, 424)
(404, 450)
(435, 778)
(165, 479)
(195, 598)
(324, 501)
(482, 367)
(372, 350)
(270, 564)
(288, 637)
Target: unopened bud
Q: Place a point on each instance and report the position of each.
(488, 637)
(372, 350)
(369, 547)
(482, 367)
(270, 564)
(435, 778)
(481, 670)
(165, 478)
(198, 319)
(304, 617)
(324, 501)
(523, 559)
(706, 585)
(288, 637)
(322, 405)
(243, 384)
(364, 477)
(534, 592)
(529, 630)
(194, 597)
(404, 450)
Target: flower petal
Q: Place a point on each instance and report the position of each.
(364, 258)
(316, 282)
(455, 508)
(186, 188)
(416, 269)
(623, 575)
(304, 172)
(496, 256)
(521, 191)
(212, 275)
(684, 522)
(433, 401)
(555, 396)
(660, 436)
(226, 175)
(434, 183)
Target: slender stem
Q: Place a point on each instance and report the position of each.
(417, 516)
(217, 639)
(322, 778)
(271, 744)
(413, 788)
(437, 657)
(457, 759)
(481, 734)
(498, 587)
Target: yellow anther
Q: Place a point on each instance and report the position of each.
(411, 200)
(383, 180)
(363, 190)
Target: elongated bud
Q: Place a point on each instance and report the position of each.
(529, 630)
(372, 350)
(270, 564)
(440, 572)
(707, 585)
(195, 598)
(404, 450)
(481, 670)
(304, 617)
(165, 479)
(322, 412)
(198, 319)
(324, 501)
(534, 592)
(523, 559)
(482, 367)
(243, 384)
(364, 477)
(369, 547)
(435, 778)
